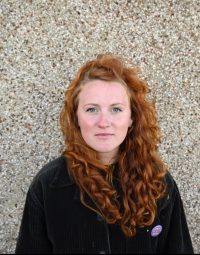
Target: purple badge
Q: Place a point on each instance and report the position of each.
(156, 230)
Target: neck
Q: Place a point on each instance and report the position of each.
(107, 159)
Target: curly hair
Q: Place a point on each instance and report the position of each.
(141, 170)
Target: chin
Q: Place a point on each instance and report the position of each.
(105, 150)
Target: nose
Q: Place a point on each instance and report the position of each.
(103, 121)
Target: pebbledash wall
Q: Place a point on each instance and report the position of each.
(43, 44)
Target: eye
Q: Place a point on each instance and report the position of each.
(116, 109)
(91, 109)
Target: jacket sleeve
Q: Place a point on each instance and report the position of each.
(178, 239)
(33, 233)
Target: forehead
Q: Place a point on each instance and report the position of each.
(103, 91)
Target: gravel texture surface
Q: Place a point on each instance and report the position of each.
(42, 45)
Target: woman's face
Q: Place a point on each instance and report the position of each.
(104, 116)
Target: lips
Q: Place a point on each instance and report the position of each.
(104, 134)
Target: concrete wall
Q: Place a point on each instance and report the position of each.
(42, 45)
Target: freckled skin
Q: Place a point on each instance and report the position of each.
(104, 116)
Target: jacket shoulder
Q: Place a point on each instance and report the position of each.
(54, 174)
(169, 192)
(169, 180)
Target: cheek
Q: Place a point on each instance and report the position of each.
(85, 124)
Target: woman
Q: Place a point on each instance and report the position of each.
(109, 192)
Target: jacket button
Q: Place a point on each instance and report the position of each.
(100, 219)
(102, 252)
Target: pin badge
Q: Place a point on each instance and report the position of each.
(156, 230)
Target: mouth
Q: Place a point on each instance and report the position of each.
(104, 136)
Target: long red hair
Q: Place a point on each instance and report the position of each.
(141, 171)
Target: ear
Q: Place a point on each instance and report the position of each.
(130, 122)
(76, 119)
(77, 123)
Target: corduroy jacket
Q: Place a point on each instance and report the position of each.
(55, 221)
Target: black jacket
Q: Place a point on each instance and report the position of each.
(55, 221)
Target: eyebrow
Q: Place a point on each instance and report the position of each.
(98, 104)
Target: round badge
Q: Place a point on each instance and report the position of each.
(156, 230)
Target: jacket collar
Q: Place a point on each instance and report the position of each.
(61, 178)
